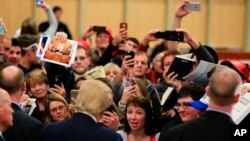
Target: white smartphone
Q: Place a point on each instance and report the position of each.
(194, 6)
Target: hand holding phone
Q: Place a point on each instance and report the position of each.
(170, 35)
(192, 6)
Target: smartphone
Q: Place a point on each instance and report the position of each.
(1, 30)
(111, 108)
(57, 80)
(1, 35)
(131, 54)
(39, 2)
(74, 93)
(124, 25)
(130, 82)
(99, 28)
(170, 35)
(192, 7)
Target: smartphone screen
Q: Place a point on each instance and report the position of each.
(99, 28)
(130, 82)
(39, 2)
(170, 35)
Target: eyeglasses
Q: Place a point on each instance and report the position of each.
(60, 108)
(183, 105)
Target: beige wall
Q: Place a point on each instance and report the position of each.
(227, 17)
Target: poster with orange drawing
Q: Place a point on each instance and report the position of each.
(62, 53)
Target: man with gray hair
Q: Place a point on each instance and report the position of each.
(93, 99)
(215, 123)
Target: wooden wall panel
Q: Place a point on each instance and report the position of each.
(228, 23)
(105, 12)
(145, 15)
(14, 12)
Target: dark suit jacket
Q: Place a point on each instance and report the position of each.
(25, 127)
(210, 126)
(78, 128)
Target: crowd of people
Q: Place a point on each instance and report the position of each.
(124, 103)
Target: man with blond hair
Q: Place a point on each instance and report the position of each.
(93, 99)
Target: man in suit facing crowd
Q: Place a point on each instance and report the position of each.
(93, 99)
(6, 112)
(214, 125)
(25, 127)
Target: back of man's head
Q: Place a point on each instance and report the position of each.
(11, 79)
(94, 97)
(223, 86)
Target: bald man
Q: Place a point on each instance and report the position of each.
(215, 123)
(6, 118)
(25, 127)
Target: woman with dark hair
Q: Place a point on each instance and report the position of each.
(138, 121)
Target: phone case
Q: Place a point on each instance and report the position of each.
(124, 25)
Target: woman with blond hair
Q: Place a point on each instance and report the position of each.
(56, 109)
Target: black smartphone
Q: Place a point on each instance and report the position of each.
(57, 80)
(170, 35)
(111, 108)
(99, 28)
(131, 54)
(39, 2)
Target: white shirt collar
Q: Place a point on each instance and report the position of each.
(92, 116)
